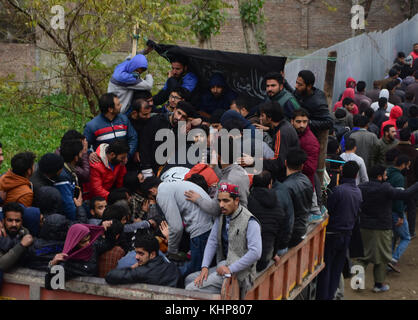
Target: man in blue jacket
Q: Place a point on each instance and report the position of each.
(110, 124)
(178, 76)
(343, 207)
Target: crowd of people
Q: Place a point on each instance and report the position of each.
(103, 205)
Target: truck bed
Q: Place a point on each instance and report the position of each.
(296, 270)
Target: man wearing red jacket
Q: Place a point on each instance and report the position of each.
(309, 143)
(108, 173)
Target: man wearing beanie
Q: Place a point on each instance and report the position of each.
(148, 144)
(49, 168)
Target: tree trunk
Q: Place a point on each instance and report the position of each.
(205, 43)
(251, 43)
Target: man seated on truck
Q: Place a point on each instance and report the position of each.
(150, 268)
(236, 252)
(14, 238)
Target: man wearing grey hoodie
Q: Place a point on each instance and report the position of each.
(178, 212)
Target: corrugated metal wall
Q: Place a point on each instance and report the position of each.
(366, 57)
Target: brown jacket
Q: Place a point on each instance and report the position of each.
(17, 188)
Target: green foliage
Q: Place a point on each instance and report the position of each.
(250, 11)
(207, 17)
(30, 122)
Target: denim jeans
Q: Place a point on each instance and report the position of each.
(197, 249)
(401, 232)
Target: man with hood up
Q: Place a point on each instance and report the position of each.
(384, 93)
(126, 79)
(395, 113)
(219, 95)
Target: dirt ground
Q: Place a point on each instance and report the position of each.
(403, 286)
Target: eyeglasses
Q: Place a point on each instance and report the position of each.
(174, 97)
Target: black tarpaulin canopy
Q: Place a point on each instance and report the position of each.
(244, 73)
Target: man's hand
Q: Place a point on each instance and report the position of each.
(196, 122)
(192, 196)
(2, 230)
(164, 229)
(223, 270)
(58, 258)
(170, 74)
(246, 160)
(106, 224)
(145, 206)
(85, 145)
(202, 276)
(399, 223)
(152, 223)
(136, 157)
(79, 201)
(26, 241)
(94, 158)
(136, 265)
(276, 259)
(261, 127)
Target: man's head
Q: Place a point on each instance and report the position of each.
(389, 132)
(409, 96)
(178, 66)
(23, 164)
(241, 105)
(215, 119)
(305, 82)
(177, 94)
(405, 134)
(391, 86)
(402, 162)
(263, 180)
(131, 181)
(1, 154)
(393, 73)
(117, 151)
(350, 170)
(300, 120)
(71, 135)
(97, 206)
(369, 113)
(150, 186)
(109, 104)
(146, 248)
(383, 103)
(378, 172)
(145, 95)
(141, 109)
(350, 145)
(274, 83)
(116, 211)
(199, 180)
(271, 112)
(361, 86)
(228, 198)
(348, 103)
(295, 160)
(71, 151)
(217, 85)
(117, 194)
(51, 165)
(391, 155)
(415, 48)
(13, 218)
(183, 112)
(360, 121)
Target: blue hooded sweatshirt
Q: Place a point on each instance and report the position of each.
(31, 220)
(123, 74)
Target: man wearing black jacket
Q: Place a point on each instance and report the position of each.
(148, 144)
(150, 268)
(314, 101)
(376, 222)
(343, 206)
(263, 204)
